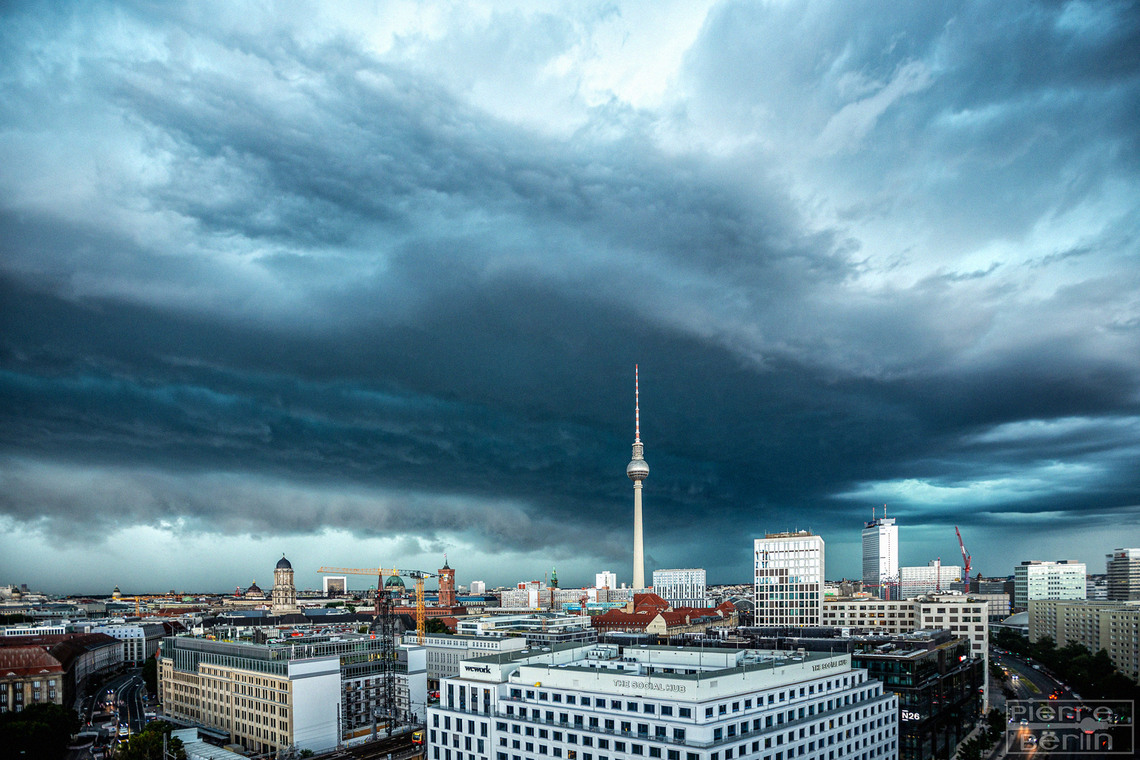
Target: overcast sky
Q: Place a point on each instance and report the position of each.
(366, 284)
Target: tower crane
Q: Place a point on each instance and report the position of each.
(965, 558)
(417, 575)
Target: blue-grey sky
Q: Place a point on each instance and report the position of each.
(366, 283)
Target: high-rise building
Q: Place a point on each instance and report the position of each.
(934, 578)
(600, 701)
(1123, 570)
(637, 470)
(478, 588)
(1036, 579)
(788, 579)
(284, 592)
(880, 554)
(681, 588)
(605, 579)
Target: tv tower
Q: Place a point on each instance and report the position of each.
(638, 470)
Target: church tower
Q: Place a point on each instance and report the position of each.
(284, 592)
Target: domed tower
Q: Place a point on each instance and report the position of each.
(637, 470)
(116, 594)
(284, 592)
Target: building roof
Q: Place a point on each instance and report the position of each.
(21, 662)
(284, 564)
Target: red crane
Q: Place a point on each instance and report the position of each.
(965, 559)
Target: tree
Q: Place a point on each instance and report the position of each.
(435, 625)
(147, 744)
(37, 731)
(150, 674)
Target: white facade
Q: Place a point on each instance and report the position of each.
(789, 579)
(1034, 579)
(681, 588)
(880, 554)
(599, 702)
(445, 651)
(605, 579)
(139, 641)
(934, 578)
(478, 588)
(316, 687)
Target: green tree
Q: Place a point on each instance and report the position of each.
(147, 744)
(435, 625)
(42, 731)
(150, 674)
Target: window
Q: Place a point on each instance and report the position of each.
(666, 709)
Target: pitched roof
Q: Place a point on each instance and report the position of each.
(21, 662)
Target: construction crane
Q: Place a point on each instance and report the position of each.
(417, 575)
(965, 559)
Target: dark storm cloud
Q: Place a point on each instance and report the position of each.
(258, 278)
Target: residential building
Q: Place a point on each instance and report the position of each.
(934, 578)
(311, 692)
(682, 587)
(605, 579)
(649, 613)
(880, 555)
(1036, 579)
(1123, 571)
(788, 571)
(1111, 626)
(605, 701)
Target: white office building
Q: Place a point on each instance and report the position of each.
(880, 555)
(1036, 580)
(681, 588)
(445, 651)
(603, 702)
(789, 579)
(934, 578)
(605, 579)
(478, 588)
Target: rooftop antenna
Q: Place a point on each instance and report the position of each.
(636, 407)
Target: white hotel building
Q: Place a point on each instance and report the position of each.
(605, 702)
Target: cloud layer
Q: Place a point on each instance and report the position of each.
(384, 271)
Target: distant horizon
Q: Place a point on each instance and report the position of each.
(368, 283)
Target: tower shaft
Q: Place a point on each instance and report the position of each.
(638, 547)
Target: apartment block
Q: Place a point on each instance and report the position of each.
(1111, 626)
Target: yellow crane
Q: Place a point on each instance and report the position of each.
(417, 575)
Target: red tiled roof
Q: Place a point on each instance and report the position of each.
(21, 662)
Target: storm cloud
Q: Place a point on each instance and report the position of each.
(381, 273)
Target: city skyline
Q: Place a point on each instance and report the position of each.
(365, 283)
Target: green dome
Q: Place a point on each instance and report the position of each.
(395, 582)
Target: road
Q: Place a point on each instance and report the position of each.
(1029, 683)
